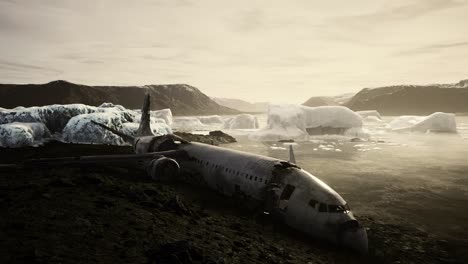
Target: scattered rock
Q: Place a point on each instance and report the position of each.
(176, 252)
(177, 206)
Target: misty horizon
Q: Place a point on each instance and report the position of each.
(283, 52)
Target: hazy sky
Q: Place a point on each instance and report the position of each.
(282, 51)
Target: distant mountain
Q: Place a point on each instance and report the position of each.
(328, 100)
(242, 105)
(413, 99)
(182, 99)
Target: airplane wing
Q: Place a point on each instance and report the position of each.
(121, 159)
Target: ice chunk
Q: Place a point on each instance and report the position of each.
(80, 129)
(372, 119)
(242, 121)
(436, 122)
(16, 134)
(187, 124)
(296, 122)
(55, 117)
(165, 114)
(369, 113)
(214, 119)
(158, 128)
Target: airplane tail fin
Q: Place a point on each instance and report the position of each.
(126, 137)
(144, 129)
(292, 158)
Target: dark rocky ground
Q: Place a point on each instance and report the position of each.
(112, 215)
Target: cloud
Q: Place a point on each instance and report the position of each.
(18, 67)
(410, 10)
(247, 21)
(431, 48)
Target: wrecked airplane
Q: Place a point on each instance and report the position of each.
(289, 193)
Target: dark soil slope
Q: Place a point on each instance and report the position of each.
(109, 215)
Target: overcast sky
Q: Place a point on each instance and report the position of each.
(281, 51)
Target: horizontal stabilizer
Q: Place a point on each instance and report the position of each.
(125, 137)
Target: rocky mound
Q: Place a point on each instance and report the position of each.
(328, 100)
(182, 99)
(413, 99)
(244, 106)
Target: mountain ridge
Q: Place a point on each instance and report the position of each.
(413, 99)
(242, 105)
(182, 99)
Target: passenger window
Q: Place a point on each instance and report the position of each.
(313, 203)
(255, 179)
(287, 192)
(250, 177)
(322, 207)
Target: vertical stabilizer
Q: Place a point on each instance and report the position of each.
(145, 129)
(292, 158)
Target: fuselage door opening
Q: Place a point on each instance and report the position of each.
(285, 196)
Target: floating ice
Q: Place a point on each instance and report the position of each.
(55, 117)
(372, 119)
(242, 121)
(16, 135)
(165, 114)
(80, 129)
(369, 113)
(187, 124)
(158, 128)
(214, 119)
(297, 122)
(436, 122)
(73, 123)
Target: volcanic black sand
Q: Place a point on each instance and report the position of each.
(110, 215)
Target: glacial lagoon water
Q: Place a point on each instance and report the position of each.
(413, 178)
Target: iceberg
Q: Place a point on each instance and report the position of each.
(210, 120)
(55, 117)
(242, 121)
(158, 128)
(436, 122)
(187, 124)
(369, 113)
(15, 135)
(80, 129)
(297, 122)
(23, 126)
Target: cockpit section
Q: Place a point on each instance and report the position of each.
(330, 208)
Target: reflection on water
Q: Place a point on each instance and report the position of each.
(420, 179)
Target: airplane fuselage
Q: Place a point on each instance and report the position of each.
(300, 199)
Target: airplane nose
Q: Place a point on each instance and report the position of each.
(354, 236)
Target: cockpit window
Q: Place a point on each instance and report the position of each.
(322, 207)
(338, 208)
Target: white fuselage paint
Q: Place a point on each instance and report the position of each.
(223, 169)
(229, 171)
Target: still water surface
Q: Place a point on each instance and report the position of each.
(418, 179)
